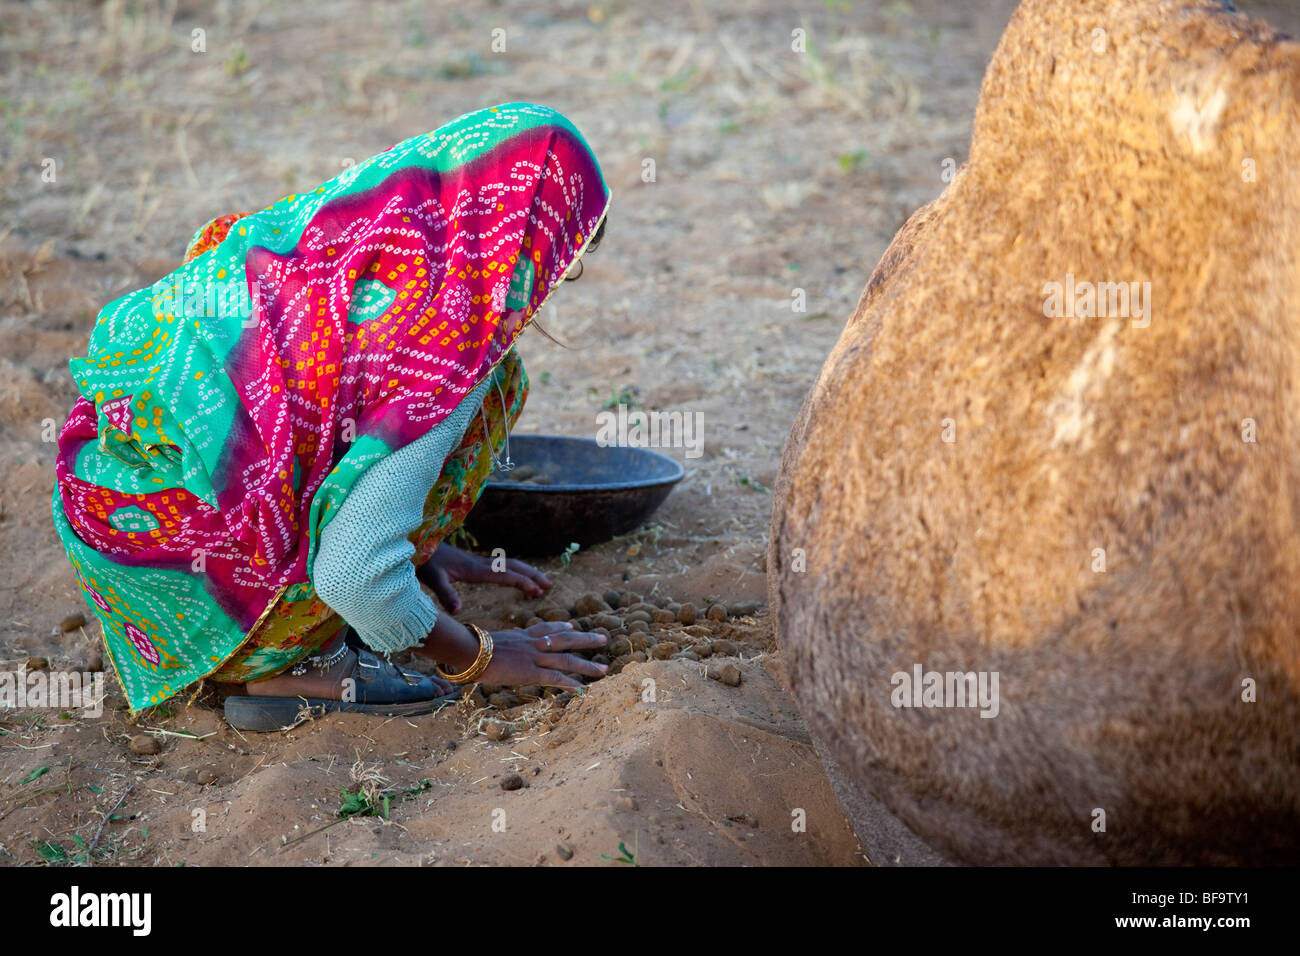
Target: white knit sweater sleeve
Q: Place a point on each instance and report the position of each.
(363, 568)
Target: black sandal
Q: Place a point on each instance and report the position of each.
(381, 688)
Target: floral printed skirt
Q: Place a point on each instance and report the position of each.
(300, 623)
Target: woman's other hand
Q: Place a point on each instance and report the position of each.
(448, 565)
(539, 655)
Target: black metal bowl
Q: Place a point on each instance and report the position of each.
(572, 490)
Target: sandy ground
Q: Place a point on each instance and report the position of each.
(777, 174)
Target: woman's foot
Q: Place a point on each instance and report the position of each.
(321, 683)
(339, 673)
(337, 679)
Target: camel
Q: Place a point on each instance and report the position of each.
(1057, 449)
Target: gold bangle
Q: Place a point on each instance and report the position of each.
(481, 661)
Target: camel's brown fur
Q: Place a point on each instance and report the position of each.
(1121, 690)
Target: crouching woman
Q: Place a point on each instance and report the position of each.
(272, 443)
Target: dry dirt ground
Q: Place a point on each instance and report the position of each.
(777, 174)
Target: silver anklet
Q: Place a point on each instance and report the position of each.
(319, 662)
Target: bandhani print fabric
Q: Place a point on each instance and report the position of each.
(225, 411)
(300, 623)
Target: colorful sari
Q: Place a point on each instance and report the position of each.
(301, 623)
(226, 411)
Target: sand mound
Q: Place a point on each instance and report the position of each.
(678, 767)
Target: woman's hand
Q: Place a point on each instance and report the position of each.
(448, 564)
(537, 655)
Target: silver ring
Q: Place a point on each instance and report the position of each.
(548, 642)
